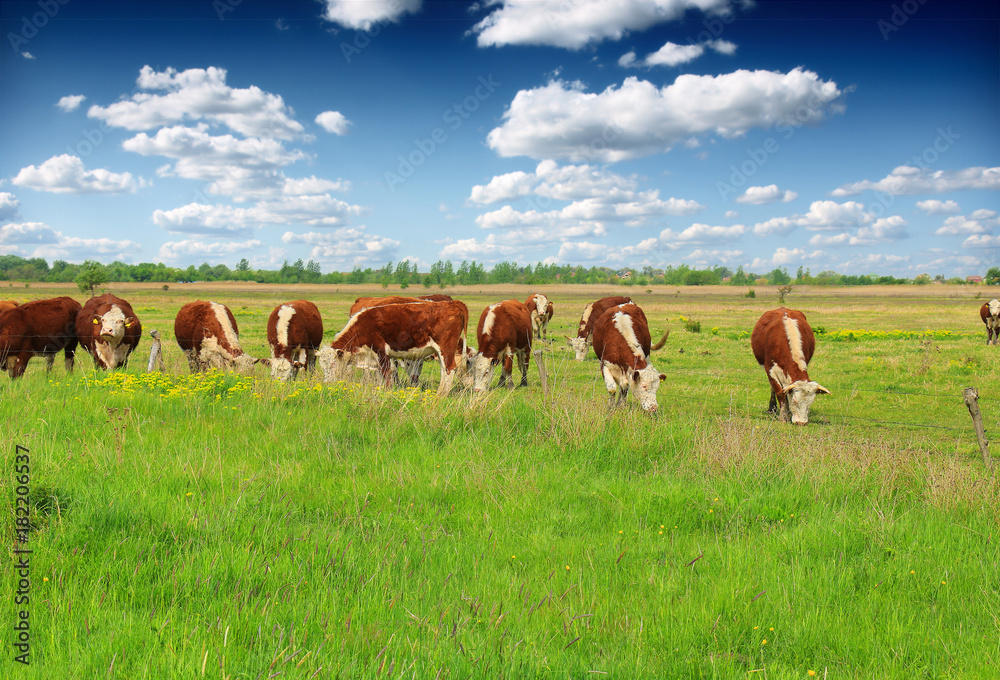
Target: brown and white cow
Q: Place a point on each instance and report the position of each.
(783, 343)
(541, 311)
(411, 330)
(7, 304)
(591, 313)
(294, 332)
(990, 313)
(622, 343)
(504, 332)
(208, 335)
(38, 328)
(109, 330)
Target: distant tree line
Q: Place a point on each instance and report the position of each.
(443, 273)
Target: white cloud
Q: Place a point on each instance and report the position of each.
(822, 215)
(723, 47)
(979, 222)
(982, 241)
(576, 24)
(907, 181)
(703, 233)
(364, 14)
(785, 257)
(28, 55)
(175, 251)
(230, 221)
(768, 194)
(883, 230)
(935, 207)
(333, 122)
(10, 207)
(66, 174)
(28, 232)
(349, 245)
(672, 54)
(473, 249)
(70, 102)
(732, 214)
(560, 120)
(200, 94)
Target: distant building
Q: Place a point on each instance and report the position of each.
(973, 279)
(625, 274)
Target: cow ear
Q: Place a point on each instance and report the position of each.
(662, 377)
(265, 361)
(635, 376)
(296, 364)
(340, 353)
(96, 320)
(129, 322)
(822, 390)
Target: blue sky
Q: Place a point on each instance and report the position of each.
(862, 137)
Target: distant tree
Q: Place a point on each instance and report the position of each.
(779, 277)
(92, 274)
(243, 265)
(992, 276)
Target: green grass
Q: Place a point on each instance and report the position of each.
(233, 527)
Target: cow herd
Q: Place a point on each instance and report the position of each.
(386, 333)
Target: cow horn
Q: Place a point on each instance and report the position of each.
(821, 389)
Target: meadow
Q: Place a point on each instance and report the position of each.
(229, 526)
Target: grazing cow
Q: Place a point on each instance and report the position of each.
(7, 304)
(108, 329)
(208, 335)
(411, 330)
(294, 332)
(541, 312)
(622, 343)
(783, 343)
(38, 328)
(990, 312)
(504, 331)
(591, 313)
(412, 367)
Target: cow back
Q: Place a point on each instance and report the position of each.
(593, 312)
(196, 321)
(621, 336)
(303, 328)
(40, 325)
(783, 336)
(504, 324)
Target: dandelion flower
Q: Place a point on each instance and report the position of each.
(810, 673)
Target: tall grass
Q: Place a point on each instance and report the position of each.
(225, 526)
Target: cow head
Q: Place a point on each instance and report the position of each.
(333, 363)
(481, 371)
(644, 383)
(244, 363)
(800, 396)
(994, 308)
(580, 347)
(111, 325)
(283, 369)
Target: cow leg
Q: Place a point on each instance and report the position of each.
(522, 362)
(386, 367)
(413, 369)
(69, 355)
(784, 415)
(310, 360)
(506, 370)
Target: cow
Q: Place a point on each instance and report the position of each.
(409, 330)
(591, 313)
(990, 313)
(208, 335)
(109, 330)
(294, 333)
(504, 331)
(412, 367)
(7, 304)
(38, 328)
(541, 312)
(623, 345)
(783, 343)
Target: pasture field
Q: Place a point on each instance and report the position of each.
(225, 526)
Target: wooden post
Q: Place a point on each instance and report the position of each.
(972, 402)
(154, 352)
(541, 372)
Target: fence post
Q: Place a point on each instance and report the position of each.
(541, 373)
(154, 352)
(971, 397)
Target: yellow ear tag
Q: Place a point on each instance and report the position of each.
(96, 322)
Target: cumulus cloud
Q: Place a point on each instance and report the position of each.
(65, 174)
(561, 120)
(979, 222)
(763, 195)
(28, 232)
(785, 257)
(672, 54)
(362, 16)
(70, 102)
(348, 245)
(982, 241)
(232, 221)
(935, 207)
(333, 122)
(907, 181)
(10, 207)
(703, 233)
(574, 25)
(175, 251)
(474, 249)
(200, 95)
(822, 215)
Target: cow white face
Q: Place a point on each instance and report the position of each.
(580, 347)
(994, 308)
(244, 364)
(333, 363)
(645, 383)
(111, 325)
(800, 395)
(481, 369)
(282, 369)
